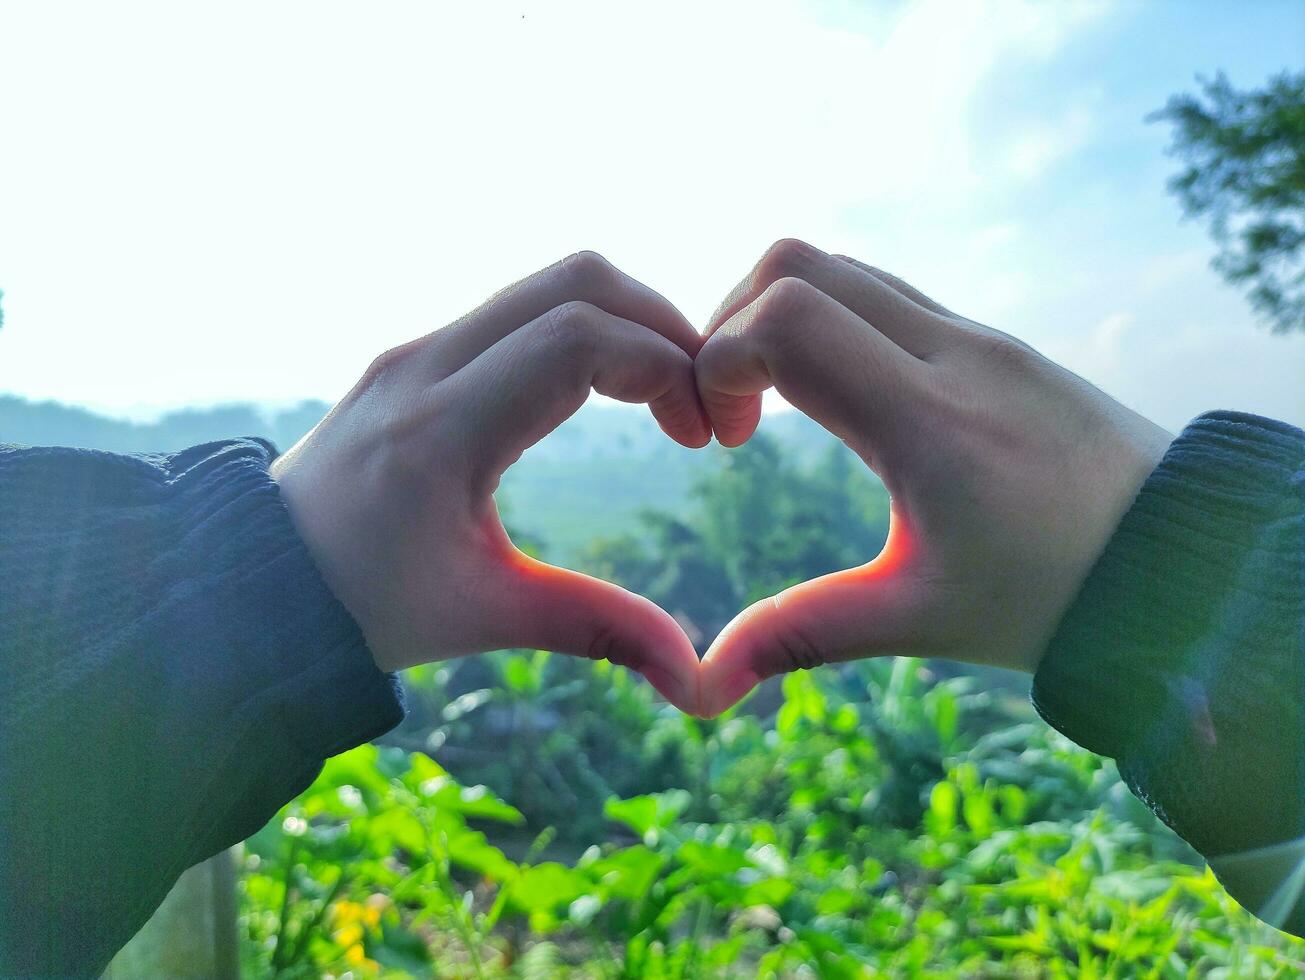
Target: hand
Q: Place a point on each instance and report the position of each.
(392, 491)
(1007, 473)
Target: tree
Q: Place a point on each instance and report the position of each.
(761, 523)
(1245, 174)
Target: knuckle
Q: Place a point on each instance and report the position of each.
(1005, 352)
(587, 268)
(872, 270)
(678, 407)
(384, 365)
(603, 644)
(570, 328)
(710, 366)
(786, 257)
(796, 650)
(776, 307)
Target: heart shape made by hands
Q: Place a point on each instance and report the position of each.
(1007, 474)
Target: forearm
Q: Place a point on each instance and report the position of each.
(176, 670)
(1183, 657)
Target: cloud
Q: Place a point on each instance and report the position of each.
(1035, 151)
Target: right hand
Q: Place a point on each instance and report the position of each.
(1008, 474)
(393, 490)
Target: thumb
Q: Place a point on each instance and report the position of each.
(551, 608)
(823, 358)
(870, 611)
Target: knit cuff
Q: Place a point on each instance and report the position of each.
(310, 674)
(1229, 493)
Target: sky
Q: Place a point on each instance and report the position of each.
(248, 201)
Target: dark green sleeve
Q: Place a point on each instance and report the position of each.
(174, 670)
(1183, 657)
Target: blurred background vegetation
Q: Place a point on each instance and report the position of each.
(1243, 152)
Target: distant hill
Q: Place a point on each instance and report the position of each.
(52, 424)
(590, 478)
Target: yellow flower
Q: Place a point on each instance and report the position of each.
(344, 912)
(371, 913)
(350, 935)
(356, 957)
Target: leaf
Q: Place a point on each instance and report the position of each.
(470, 849)
(545, 887)
(519, 676)
(803, 702)
(639, 813)
(945, 713)
(399, 949)
(584, 908)
(646, 815)
(475, 803)
(769, 891)
(629, 873)
(712, 860)
(943, 801)
(977, 808)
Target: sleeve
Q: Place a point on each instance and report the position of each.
(1183, 656)
(174, 669)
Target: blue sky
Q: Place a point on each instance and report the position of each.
(248, 201)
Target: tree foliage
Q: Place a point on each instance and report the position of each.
(1245, 174)
(761, 523)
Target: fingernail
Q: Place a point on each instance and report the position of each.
(669, 686)
(733, 690)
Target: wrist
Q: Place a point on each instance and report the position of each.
(1179, 553)
(1111, 471)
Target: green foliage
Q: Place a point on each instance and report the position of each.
(762, 522)
(1245, 156)
(1019, 855)
(556, 735)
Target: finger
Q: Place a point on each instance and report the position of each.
(548, 608)
(822, 357)
(874, 610)
(903, 287)
(584, 277)
(531, 381)
(914, 328)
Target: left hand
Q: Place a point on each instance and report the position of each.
(393, 490)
